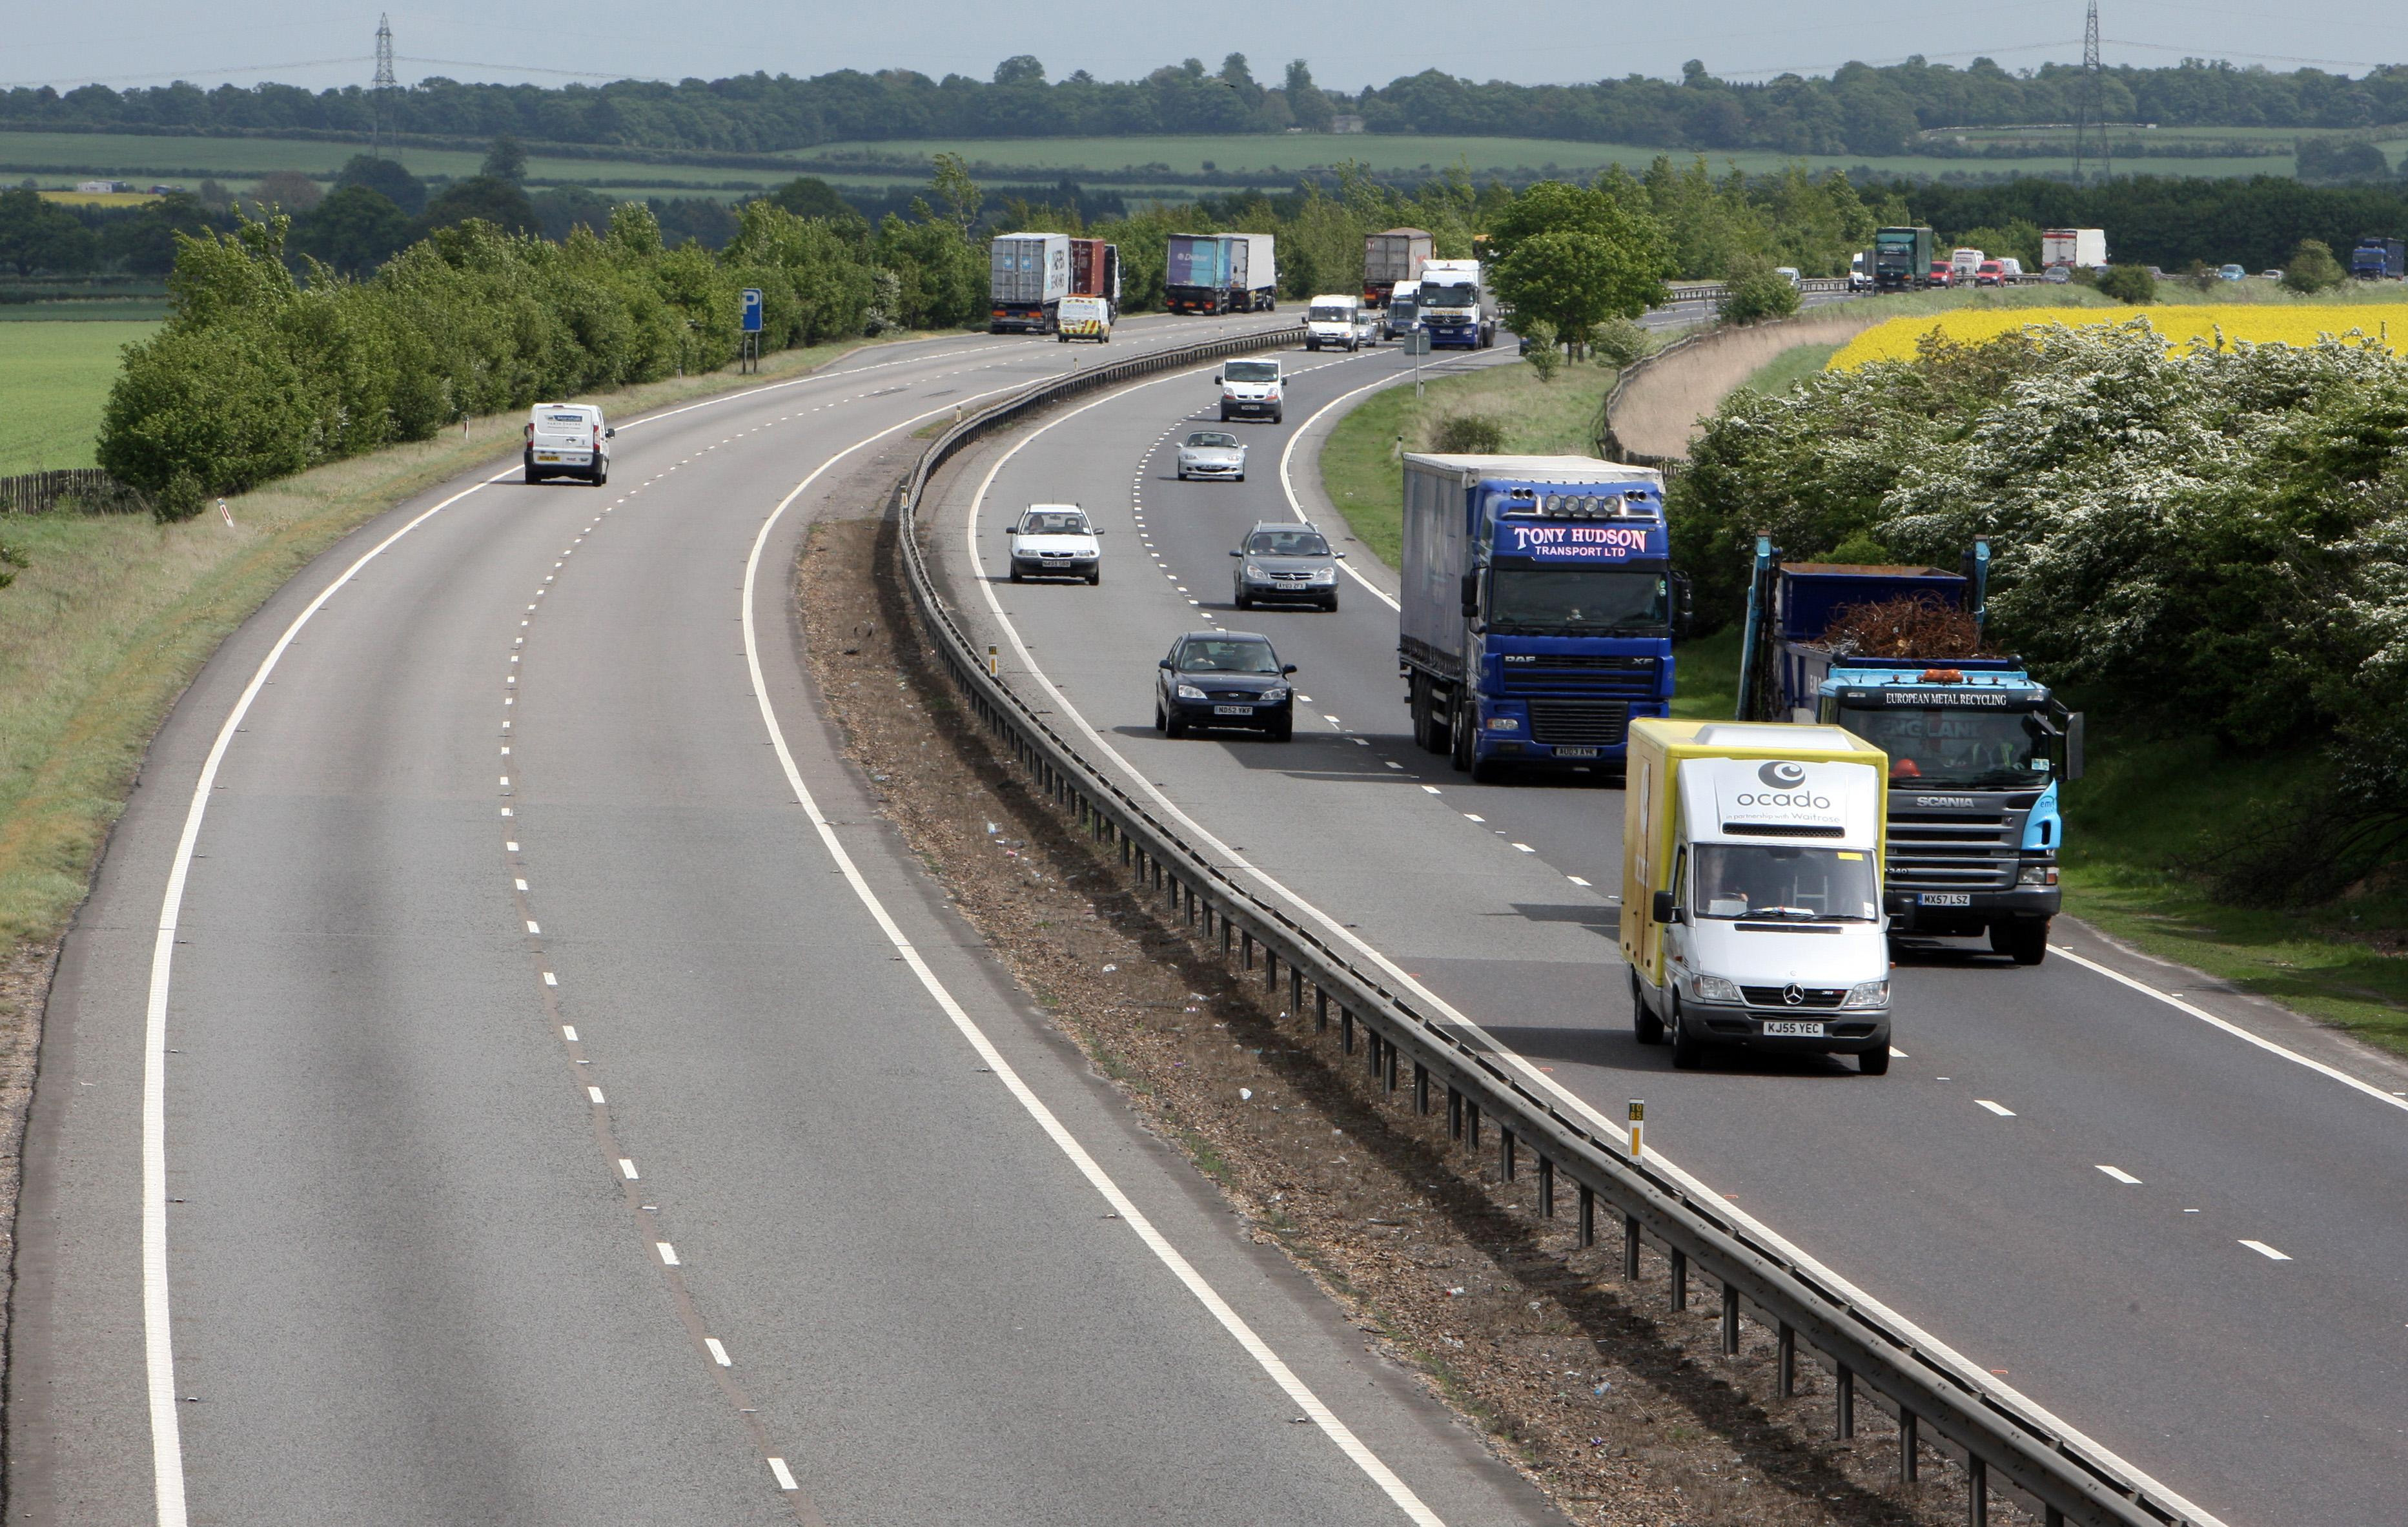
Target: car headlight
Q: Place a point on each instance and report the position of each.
(1187, 460)
(1868, 994)
(1275, 693)
(1253, 571)
(2036, 874)
(1713, 989)
(1188, 691)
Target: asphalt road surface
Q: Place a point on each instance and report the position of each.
(568, 1103)
(2140, 1204)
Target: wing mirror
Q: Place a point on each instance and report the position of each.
(1236, 553)
(1664, 911)
(2074, 746)
(1164, 663)
(1216, 378)
(1472, 593)
(1288, 670)
(609, 434)
(1339, 555)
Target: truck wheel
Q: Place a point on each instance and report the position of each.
(1462, 739)
(2025, 940)
(1643, 1021)
(1687, 1054)
(1427, 733)
(1875, 1061)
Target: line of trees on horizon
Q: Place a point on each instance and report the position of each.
(1857, 109)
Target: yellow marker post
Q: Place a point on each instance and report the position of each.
(1637, 1128)
(993, 669)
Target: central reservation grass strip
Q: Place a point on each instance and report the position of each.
(117, 613)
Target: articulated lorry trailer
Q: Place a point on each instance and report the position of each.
(1978, 748)
(2377, 258)
(1537, 608)
(1028, 274)
(1902, 258)
(1221, 273)
(1095, 272)
(1392, 259)
(2085, 248)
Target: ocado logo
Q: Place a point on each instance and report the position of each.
(1783, 777)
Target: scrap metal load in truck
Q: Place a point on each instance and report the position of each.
(1392, 259)
(1978, 748)
(1028, 274)
(1219, 273)
(1095, 272)
(1537, 608)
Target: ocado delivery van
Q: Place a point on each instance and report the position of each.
(1751, 889)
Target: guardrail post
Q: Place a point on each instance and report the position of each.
(1909, 1466)
(1228, 932)
(1248, 938)
(1454, 1114)
(1680, 1261)
(1388, 1063)
(1295, 988)
(1320, 1010)
(1977, 1490)
(1785, 1376)
(1731, 1321)
(1546, 1188)
(1587, 1216)
(1472, 1122)
(1421, 1087)
(1845, 1393)
(2051, 1516)
(1630, 1248)
(1505, 1153)
(1346, 1030)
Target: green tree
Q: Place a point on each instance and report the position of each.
(959, 195)
(2313, 267)
(1575, 280)
(507, 160)
(38, 237)
(1305, 103)
(385, 176)
(486, 199)
(806, 197)
(355, 230)
(1020, 69)
(1758, 293)
(2129, 283)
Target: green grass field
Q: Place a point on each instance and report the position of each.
(62, 157)
(55, 376)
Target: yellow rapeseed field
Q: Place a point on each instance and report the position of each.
(2189, 327)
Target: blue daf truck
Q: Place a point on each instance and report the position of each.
(1537, 609)
(1978, 748)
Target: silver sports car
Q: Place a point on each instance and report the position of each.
(1211, 452)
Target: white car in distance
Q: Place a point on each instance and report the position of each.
(1212, 453)
(1054, 540)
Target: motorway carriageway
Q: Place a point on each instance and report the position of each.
(564, 1100)
(2185, 1241)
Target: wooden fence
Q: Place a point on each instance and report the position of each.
(87, 489)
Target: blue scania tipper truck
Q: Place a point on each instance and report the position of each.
(1978, 749)
(1537, 609)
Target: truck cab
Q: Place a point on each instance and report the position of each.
(1978, 750)
(1536, 608)
(1456, 308)
(1752, 891)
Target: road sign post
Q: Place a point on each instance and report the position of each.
(750, 358)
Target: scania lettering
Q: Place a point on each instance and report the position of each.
(1751, 890)
(1536, 610)
(1978, 750)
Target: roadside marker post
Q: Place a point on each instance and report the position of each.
(1637, 1128)
(992, 666)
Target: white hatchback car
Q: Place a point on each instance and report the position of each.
(1054, 540)
(567, 439)
(1212, 453)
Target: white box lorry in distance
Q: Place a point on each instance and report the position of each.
(2083, 247)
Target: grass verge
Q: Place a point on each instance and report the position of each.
(1790, 368)
(54, 377)
(116, 613)
(1362, 463)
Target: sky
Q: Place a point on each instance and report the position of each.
(1349, 43)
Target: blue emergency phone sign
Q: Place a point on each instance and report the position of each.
(751, 309)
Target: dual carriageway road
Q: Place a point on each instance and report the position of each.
(2140, 1204)
(509, 1071)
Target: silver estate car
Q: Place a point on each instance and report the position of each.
(1285, 562)
(1212, 453)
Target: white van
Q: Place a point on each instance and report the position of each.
(1330, 321)
(1966, 264)
(567, 439)
(1250, 388)
(1084, 317)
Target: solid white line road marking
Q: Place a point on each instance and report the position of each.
(1999, 1109)
(717, 1353)
(628, 1169)
(2120, 1175)
(158, 1335)
(668, 1254)
(2266, 1251)
(1272, 1364)
(2174, 1000)
(785, 1476)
